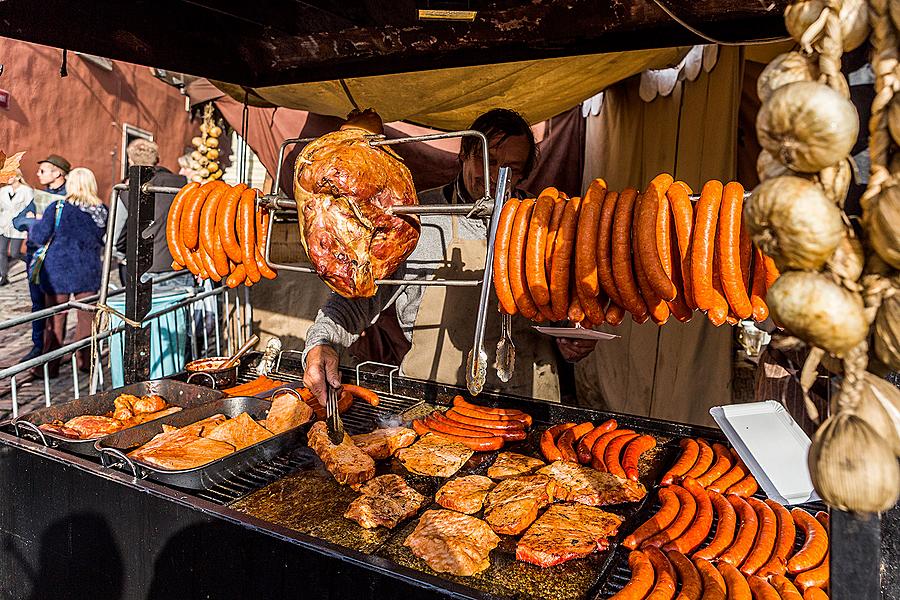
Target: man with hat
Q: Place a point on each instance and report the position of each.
(51, 173)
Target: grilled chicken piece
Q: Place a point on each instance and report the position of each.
(451, 542)
(567, 531)
(240, 432)
(382, 443)
(124, 406)
(148, 404)
(287, 412)
(510, 464)
(514, 504)
(385, 501)
(577, 483)
(464, 494)
(91, 426)
(345, 461)
(144, 417)
(435, 455)
(195, 453)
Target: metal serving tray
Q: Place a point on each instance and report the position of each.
(175, 393)
(113, 448)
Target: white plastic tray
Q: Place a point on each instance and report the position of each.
(579, 333)
(772, 445)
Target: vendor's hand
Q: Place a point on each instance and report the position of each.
(321, 366)
(574, 349)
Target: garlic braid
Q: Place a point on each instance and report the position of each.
(887, 82)
(855, 363)
(830, 48)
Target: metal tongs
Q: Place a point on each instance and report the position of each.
(476, 370)
(333, 416)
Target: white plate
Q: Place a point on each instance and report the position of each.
(772, 445)
(579, 333)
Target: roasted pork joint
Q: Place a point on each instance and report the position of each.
(345, 189)
(565, 532)
(451, 542)
(386, 501)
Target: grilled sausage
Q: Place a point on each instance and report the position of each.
(364, 394)
(604, 247)
(562, 259)
(647, 231)
(623, 274)
(567, 440)
(612, 454)
(559, 207)
(599, 450)
(535, 246)
(721, 465)
(484, 444)
(686, 513)
(690, 451)
(226, 222)
(744, 488)
(737, 472)
(694, 535)
(814, 593)
(238, 274)
(173, 222)
(713, 584)
(726, 522)
(632, 455)
(615, 314)
(737, 586)
(730, 273)
(642, 577)
(678, 195)
(703, 244)
(786, 589)
(785, 535)
(765, 537)
(761, 590)
(548, 441)
(758, 288)
(443, 423)
(657, 307)
(586, 443)
(478, 414)
(586, 280)
(816, 577)
(691, 586)
(668, 510)
(459, 401)
(704, 461)
(664, 587)
(743, 541)
(518, 281)
(454, 415)
(815, 544)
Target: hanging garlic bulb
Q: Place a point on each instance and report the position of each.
(835, 180)
(854, 16)
(887, 332)
(784, 69)
(852, 467)
(879, 406)
(881, 217)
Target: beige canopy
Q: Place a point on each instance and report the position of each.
(450, 99)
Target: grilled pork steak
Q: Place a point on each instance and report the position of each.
(385, 501)
(434, 455)
(464, 494)
(344, 189)
(514, 504)
(566, 531)
(382, 443)
(451, 542)
(345, 461)
(510, 464)
(577, 483)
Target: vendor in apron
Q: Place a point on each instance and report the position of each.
(439, 321)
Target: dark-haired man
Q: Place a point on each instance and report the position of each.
(439, 321)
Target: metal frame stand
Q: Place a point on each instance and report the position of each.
(139, 256)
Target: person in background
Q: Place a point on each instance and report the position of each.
(184, 167)
(13, 199)
(67, 261)
(146, 153)
(51, 174)
(438, 321)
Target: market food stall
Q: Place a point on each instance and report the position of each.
(163, 517)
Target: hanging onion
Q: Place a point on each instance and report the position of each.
(791, 220)
(819, 311)
(854, 17)
(852, 467)
(887, 332)
(881, 219)
(784, 69)
(807, 126)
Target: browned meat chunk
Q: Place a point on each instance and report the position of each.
(288, 411)
(345, 461)
(434, 455)
(177, 437)
(241, 431)
(514, 504)
(464, 494)
(451, 542)
(195, 453)
(91, 426)
(510, 464)
(577, 483)
(385, 501)
(567, 531)
(382, 443)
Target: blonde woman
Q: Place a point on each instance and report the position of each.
(68, 261)
(13, 198)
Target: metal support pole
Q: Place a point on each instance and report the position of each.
(138, 294)
(855, 555)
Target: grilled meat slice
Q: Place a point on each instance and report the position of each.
(382, 443)
(514, 504)
(464, 494)
(385, 501)
(91, 426)
(566, 531)
(241, 431)
(577, 483)
(197, 452)
(434, 455)
(451, 542)
(287, 412)
(510, 464)
(178, 436)
(345, 461)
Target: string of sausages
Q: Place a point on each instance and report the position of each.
(214, 231)
(753, 552)
(652, 254)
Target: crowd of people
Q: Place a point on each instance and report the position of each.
(61, 241)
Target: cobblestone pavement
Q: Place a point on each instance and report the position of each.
(15, 344)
